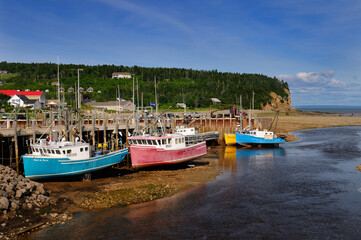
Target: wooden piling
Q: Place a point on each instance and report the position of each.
(51, 122)
(116, 131)
(16, 144)
(105, 126)
(27, 118)
(216, 122)
(66, 123)
(223, 122)
(80, 128)
(33, 129)
(93, 126)
(126, 132)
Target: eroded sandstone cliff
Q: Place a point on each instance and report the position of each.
(279, 103)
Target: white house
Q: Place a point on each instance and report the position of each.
(31, 95)
(23, 101)
(90, 89)
(121, 75)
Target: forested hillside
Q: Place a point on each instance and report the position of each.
(194, 87)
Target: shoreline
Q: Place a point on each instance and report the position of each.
(122, 187)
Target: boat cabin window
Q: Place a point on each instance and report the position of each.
(81, 149)
(68, 151)
(63, 151)
(163, 141)
(53, 151)
(86, 149)
(176, 141)
(41, 150)
(58, 152)
(49, 151)
(169, 140)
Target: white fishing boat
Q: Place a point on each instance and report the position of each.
(56, 159)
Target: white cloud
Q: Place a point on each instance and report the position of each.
(310, 88)
(313, 79)
(336, 83)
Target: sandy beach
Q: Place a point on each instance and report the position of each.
(125, 186)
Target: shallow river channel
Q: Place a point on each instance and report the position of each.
(308, 189)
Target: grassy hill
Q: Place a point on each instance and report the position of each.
(194, 87)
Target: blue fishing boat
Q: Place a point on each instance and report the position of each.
(258, 137)
(63, 158)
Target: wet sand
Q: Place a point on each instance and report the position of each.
(113, 188)
(126, 187)
(296, 122)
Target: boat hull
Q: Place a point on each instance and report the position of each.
(39, 167)
(251, 140)
(230, 138)
(144, 156)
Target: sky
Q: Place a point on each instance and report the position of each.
(313, 45)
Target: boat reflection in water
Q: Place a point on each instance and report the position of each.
(238, 160)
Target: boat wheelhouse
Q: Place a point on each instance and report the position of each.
(185, 131)
(169, 149)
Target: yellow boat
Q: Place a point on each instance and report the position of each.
(230, 138)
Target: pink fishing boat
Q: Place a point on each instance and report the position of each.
(168, 149)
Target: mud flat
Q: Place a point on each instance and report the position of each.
(122, 188)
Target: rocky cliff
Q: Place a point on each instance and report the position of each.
(279, 103)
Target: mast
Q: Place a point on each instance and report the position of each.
(133, 96)
(76, 96)
(155, 92)
(252, 107)
(59, 102)
(240, 111)
(137, 98)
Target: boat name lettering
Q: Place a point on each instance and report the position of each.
(71, 154)
(40, 160)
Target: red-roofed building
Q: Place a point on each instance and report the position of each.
(31, 95)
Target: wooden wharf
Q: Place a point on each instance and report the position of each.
(97, 127)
